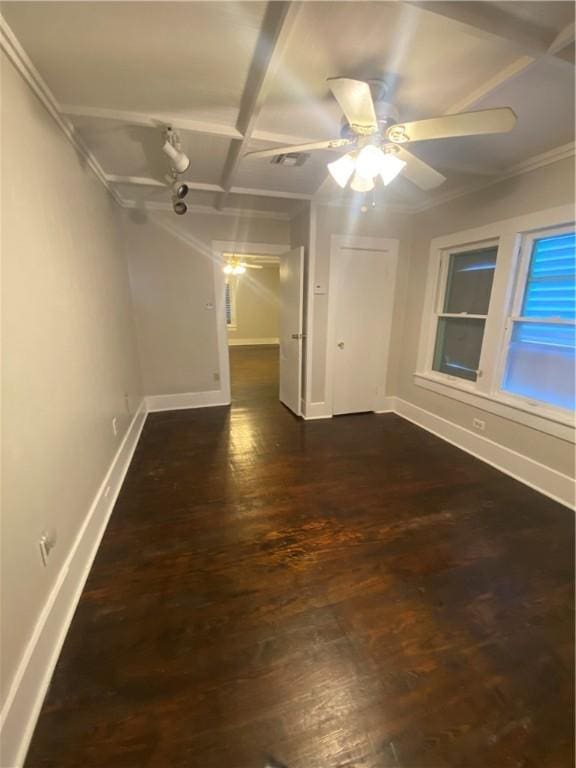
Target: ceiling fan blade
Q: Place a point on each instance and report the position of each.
(499, 120)
(417, 171)
(327, 144)
(355, 100)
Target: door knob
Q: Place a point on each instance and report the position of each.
(340, 345)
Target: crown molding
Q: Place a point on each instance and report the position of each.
(19, 58)
(555, 155)
(10, 44)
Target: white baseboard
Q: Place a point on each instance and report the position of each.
(386, 405)
(25, 697)
(317, 411)
(252, 342)
(548, 481)
(184, 400)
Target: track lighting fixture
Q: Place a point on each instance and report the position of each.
(178, 206)
(180, 161)
(180, 189)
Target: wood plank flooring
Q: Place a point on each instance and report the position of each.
(351, 592)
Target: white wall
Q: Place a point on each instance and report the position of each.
(172, 277)
(546, 187)
(257, 310)
(69, 353)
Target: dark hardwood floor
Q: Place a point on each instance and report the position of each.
(351, 592)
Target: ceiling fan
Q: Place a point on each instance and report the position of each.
(236, 266)
(377, 139)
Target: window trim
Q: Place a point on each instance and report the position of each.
(513, 237)
(440, 299)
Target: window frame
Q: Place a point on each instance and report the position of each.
(514, 316)
(440, 299)
(514, 238)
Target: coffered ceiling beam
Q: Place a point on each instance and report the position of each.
(178, 122)
(489, 21)
(153, 120)
(277, 25)
(506, 75)
(561, 47)
(563, 44)
(144, 181)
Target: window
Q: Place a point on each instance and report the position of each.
(230, 304)
(540, 343)
(461, 316)
(498, 324)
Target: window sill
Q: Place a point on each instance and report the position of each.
(549, 422)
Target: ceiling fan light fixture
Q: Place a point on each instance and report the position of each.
(369, 161)
(390, 167)
(361, 183)
(342, 169)
(397, 134)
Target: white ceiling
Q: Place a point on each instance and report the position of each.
(236, 76)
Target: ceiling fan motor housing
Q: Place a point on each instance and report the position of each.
(386, 113)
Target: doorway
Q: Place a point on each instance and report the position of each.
(259, 298)
(361, 295)
(252, 307)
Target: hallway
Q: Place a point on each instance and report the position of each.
(254, 375)
(349, 592)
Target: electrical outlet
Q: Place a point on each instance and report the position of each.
(216, 376)
(47, 543)
(479, 424)
(115, 426)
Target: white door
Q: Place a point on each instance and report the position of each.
(362, 285)
(291, 303)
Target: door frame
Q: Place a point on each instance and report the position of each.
(358, 242)
(220, 247)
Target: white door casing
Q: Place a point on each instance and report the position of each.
(291, 324)
(219, 247)
(361, 296)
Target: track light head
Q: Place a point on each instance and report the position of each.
(180, 190)
(180, 161)
(179, 207)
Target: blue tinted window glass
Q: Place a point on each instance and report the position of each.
(551, 284)
(540, 363)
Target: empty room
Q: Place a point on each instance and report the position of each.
(288, 384)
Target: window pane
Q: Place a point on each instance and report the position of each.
(469, 284)
(551, 285)
(458, 346)
(540, 363)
